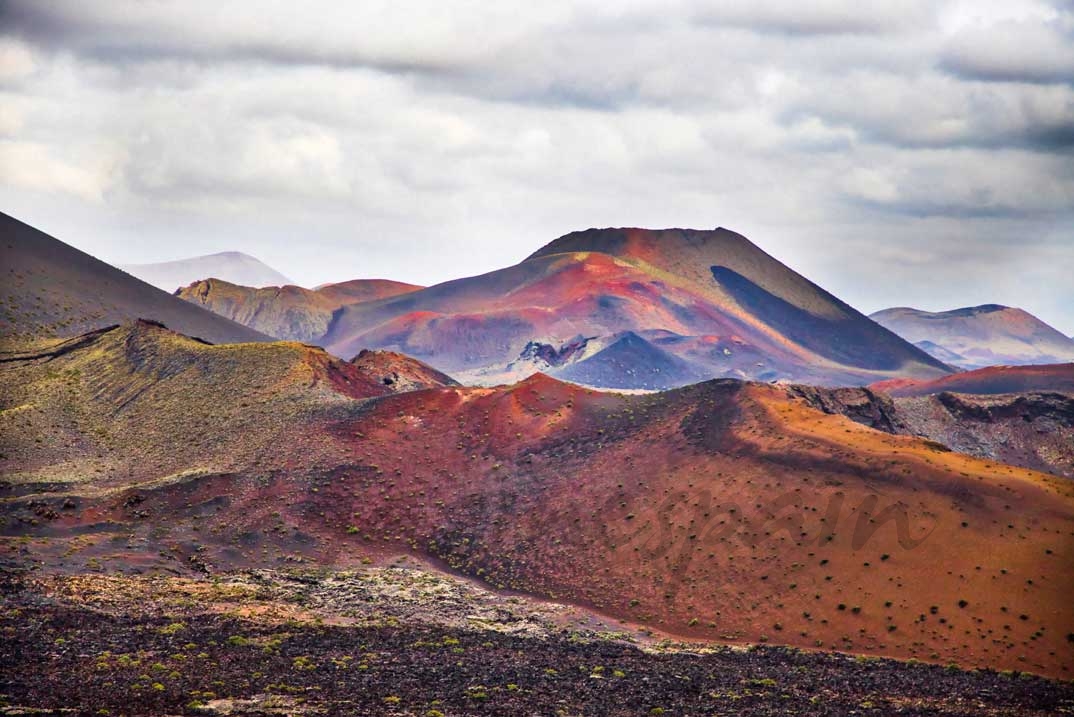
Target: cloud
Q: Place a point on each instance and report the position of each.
(209, 159)
(935, 111)
(16, 60)
(424, 141)
(34, 166)
(957, 183)
(820, 17)
(413, 36)
(1034, 51)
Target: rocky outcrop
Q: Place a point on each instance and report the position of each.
(400, 373)
(1032, 430)
(863, 405)
(539, 353)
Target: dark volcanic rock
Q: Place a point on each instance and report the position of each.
(631, 362)
(1031, 430)
(863, 405)
(179, 658)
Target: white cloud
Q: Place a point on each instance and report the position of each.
(35, 166)
(11, 117)
(16, 60)
(1028, 50)
(820, 17)
(424, 141)
(957, 182)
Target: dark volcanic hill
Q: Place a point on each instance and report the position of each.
(231, 266)
(630, 362)
(1033, 429)
(52, 288)
(980, 336)
(287, 312)
(713, 299)
(720, 511)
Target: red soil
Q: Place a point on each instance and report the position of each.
(721, 511)
(991, 380)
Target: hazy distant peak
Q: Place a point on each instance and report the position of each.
(234, 267)
(965, 311)
(978, 336)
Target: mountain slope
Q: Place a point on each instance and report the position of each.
(153, 398)
(700, 287)
(50, 287)
(738, 276)
(1032, 429)
(630, 361)
(231, 266)
(721, 511)
(400, 373)
(980, 336)
(287, 312)
(989, 381)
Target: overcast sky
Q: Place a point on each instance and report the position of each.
(897, 153)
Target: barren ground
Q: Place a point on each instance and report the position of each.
(410, 641)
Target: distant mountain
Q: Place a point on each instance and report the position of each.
(711, 298)
(979, 336)
(231, 266)
(683, 305)
(50, 288)
(287, 312)
(937, 351)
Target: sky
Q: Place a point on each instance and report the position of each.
(897, 153)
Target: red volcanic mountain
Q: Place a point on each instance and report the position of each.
(980, 336)
(704, 303)
(723, 511)
(287, 312)
(988, 381)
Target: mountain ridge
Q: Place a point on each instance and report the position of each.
(979, 336)
(703, 287)
(52, 288)
(233, 266)
(287, 312)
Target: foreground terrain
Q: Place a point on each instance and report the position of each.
(725, 511)
(411, 641)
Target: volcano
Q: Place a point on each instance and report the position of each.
(707, 303)
(979, 336)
